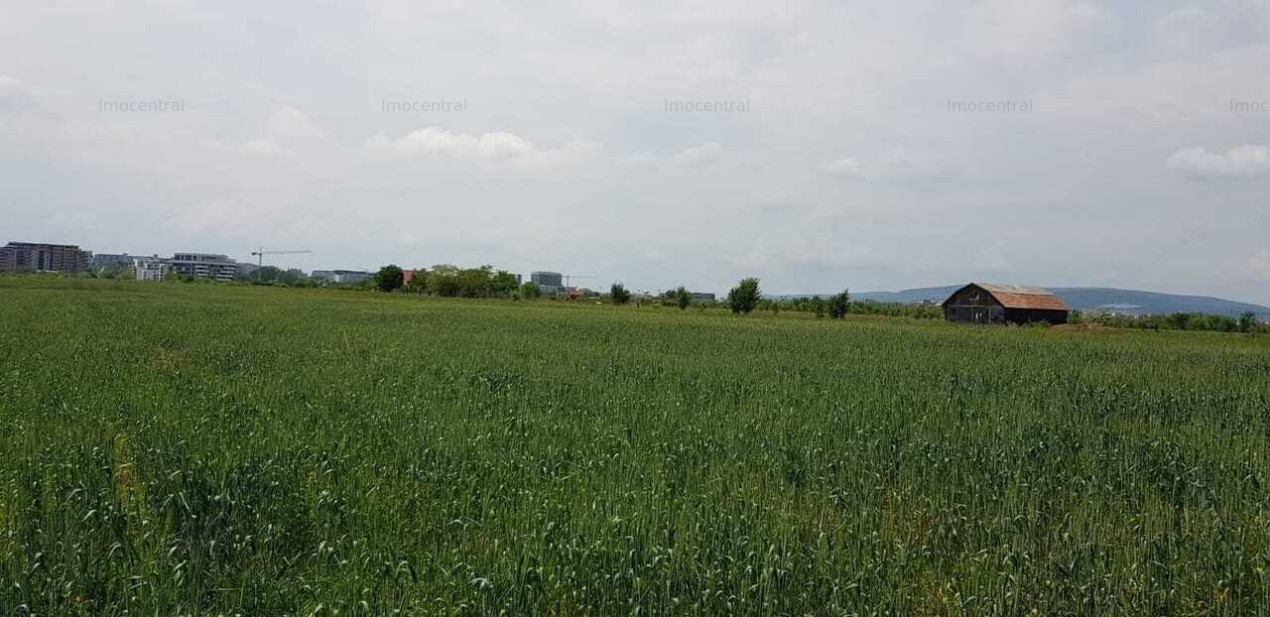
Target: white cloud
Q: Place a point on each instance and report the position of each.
(14, 94)
(287, 131)
(704, 154)
(893, 164)
(1241, 162)
(496, 147)
(1188, 30)
(848, 167)
(9, 83)
(264, 146)
(291, 122)
(641, 160)
(1260, 265)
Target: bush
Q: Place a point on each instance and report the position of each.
(818, 306)
(682, 298)
(840, 305)
(530, 291)
(618, 294)
(389, 278)
(744, 297)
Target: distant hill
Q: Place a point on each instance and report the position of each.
(1124, 301)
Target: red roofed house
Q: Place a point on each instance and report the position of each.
(989, 303)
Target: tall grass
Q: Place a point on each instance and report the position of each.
(199, 450)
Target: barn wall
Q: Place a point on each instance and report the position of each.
(974, 305)
(1035, 315)
(975, 314)
(972, 296)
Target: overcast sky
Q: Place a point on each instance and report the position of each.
(863, 156)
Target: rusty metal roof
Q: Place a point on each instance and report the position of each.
(1022, 297)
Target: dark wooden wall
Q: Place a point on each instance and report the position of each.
(1031, 315)
(974, 305)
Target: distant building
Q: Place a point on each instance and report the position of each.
(204, 266)
(409, 276)
(701, 296)
(348, 277)
(150, 268)
(345, 277)
(554, 279)
(549, 282)
(33, 256)
(111, 260)
(999, 304)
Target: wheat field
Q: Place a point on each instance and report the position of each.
(174, 449)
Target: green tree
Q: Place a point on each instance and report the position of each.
(1247, 321)
(818, 306)
(388, 278)
(476, 282)
(619, 294)
(503, 283)
(744, 297)
(443, 280)
(839, 305)
(266, 275)
(530, 291)
(682, 298)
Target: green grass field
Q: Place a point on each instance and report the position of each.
(199, 450)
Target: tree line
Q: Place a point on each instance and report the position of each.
(1245, 323)
(447, 280)
(746, 297)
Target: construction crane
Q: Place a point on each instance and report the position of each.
(570, 277)
(260, 253)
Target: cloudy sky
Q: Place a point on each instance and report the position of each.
(1137, 152)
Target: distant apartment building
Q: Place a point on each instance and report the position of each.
(17, 256)
(342, 277)
(111, 260)
(204, 266)
(701, 296)
(548, 282)
(150, 268)
(554, 279)
(352, 276)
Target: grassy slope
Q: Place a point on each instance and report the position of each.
(202, 449)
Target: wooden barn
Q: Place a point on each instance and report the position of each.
(999, 304)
